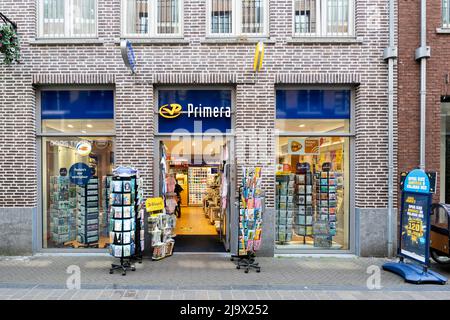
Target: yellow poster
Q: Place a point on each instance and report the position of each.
(154, 204)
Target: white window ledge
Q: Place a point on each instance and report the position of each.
(443, 30)
(235, 40)
(155, 41)
(67, 41)
(325, 40)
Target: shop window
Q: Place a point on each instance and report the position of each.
(76, 166)
(237, 17)
(446, 13)
(313, 171)
(147, 18)
(76, 216)
(67, 18)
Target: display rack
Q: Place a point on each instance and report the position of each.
(126, 219)
(212, 201)
(251, 207)
(197, 178)
(104, 214)
(88, 214)
(63, 206)
(285, 208)
(304, 213)
(160, 229)
(326, 202)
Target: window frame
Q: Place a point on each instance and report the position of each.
(152, 26)
(68, 27)
(322, 22)
(236, 25)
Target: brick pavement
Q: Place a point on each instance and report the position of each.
(207, 277)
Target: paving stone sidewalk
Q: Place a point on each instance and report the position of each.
(207, 276)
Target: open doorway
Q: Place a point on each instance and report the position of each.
(198, 172)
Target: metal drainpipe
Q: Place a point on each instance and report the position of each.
(422, 53)
(390, 54)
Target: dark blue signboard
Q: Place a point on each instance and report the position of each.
(77, 104)
(313, 104)
(194, 111)
(414, 242)
(80, 174)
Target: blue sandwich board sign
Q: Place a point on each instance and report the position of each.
(414, 241)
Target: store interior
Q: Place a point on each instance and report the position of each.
(196, 166)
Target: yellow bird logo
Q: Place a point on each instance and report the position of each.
(170, 111)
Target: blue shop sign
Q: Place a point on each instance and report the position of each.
(313, 104)
(194, 111)
(80, 174)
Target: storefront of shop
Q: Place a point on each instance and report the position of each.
(316, 126)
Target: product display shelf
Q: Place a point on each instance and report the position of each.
(326, 202)
(88, 214)
(126, 218)
(160, 229)
(285, 207)
(212, 201)
(197, 178)
(104, 214)
(63, 210)
(304, 213)
(251, 208)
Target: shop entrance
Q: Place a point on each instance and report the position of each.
(195, 177)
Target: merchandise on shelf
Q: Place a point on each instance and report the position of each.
(160, 229)
(211, 201)
(285, 207)
(197, 178)
(104, 213)
(326, 203)
(250, 212)
(63, 204)
(88, 212)
(304, 213)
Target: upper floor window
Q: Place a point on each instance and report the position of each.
(147, 18)
(237, 17)
(324, 18)
(67, 18)
(446, 13)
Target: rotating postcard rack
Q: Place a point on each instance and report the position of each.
(126, 218)
(251, 207)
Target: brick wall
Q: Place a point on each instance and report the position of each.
(438, 66)
(309, 64)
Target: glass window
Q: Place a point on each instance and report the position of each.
(328, 18)
(247, 17)
(312, 193)
(68, 18)
(76, 210)
(446, 13)
(152, 18)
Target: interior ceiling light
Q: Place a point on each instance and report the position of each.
(89, 125)
(70, 126)
(301, 126)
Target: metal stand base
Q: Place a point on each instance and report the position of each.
(124, 266)
(414, 274)
(246, 262)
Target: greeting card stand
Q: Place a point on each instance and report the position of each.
(251, 208)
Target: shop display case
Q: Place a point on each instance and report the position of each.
(88, 213)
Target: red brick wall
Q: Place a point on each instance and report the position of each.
(409, 85)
